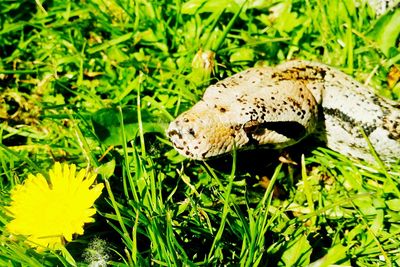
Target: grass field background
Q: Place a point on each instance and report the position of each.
(95, 83)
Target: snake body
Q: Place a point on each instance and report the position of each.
(278, 106)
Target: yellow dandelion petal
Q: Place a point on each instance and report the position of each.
(48, 213)
(81, 174)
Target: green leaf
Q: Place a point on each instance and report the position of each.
(68, 257)
(201, 6)
(116, 54)
(283, 18)
(242, 54)
(336, 254)
(106, 170)
(386, 31)
(393, 204)
(298, 252)
(108, 128)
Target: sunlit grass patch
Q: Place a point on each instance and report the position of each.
(94, 83)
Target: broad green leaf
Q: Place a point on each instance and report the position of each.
(108, 128)
(242, 54)
(386, 31)
(106, 170)
(393, 204)
(335, 254)
(298, 252)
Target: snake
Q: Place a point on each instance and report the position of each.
(277, 107)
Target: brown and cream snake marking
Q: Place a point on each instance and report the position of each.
(278, 107)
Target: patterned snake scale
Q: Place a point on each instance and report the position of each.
(278, 107)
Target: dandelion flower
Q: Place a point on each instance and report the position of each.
(49, 213)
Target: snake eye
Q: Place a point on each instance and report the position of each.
(191, 132)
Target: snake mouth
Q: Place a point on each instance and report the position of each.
(172, 133)
(185, 139)
(176, 137)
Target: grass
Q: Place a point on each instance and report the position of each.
(95, 82)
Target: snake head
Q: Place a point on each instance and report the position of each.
(201, 133)
(253, 108)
